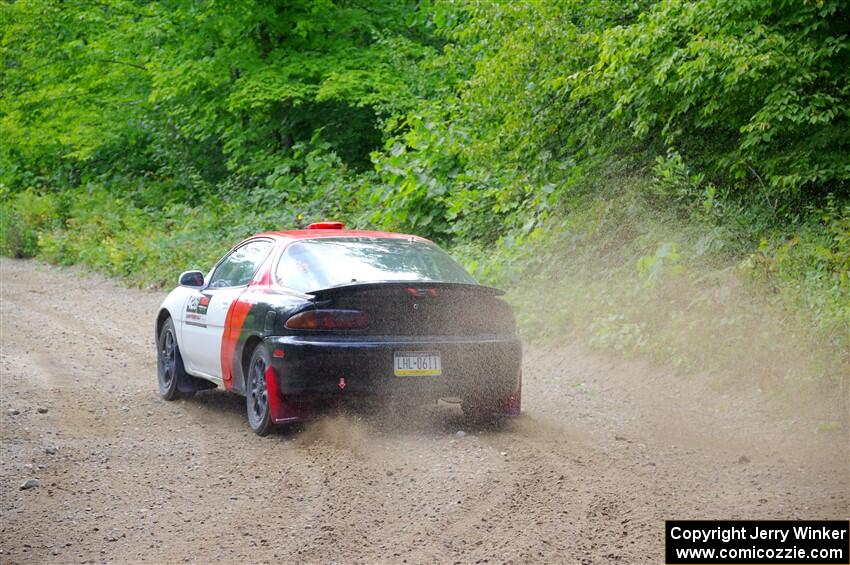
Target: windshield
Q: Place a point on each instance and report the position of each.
(321, 263)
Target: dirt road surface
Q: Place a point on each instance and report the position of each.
(608, 449)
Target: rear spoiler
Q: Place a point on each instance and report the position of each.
(355, 287)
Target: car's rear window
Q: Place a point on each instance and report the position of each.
(322, 263)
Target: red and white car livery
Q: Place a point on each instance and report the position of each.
(297, 320)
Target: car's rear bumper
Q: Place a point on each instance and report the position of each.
(308, 369)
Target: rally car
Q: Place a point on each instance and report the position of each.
(296, 321)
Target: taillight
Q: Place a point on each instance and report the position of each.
(328, 320)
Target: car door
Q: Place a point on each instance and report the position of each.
(207, 308)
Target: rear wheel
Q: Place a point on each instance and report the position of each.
(257, 392)
(478, 411)
(169, 362)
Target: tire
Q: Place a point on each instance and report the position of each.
(479, 413)
(169, 363)
(257, 393)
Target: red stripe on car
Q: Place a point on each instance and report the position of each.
(230, 338)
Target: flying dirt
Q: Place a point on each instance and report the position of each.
(97, 468)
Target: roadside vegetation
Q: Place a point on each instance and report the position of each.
(666, 178)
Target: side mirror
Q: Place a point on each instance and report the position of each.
(193, 279)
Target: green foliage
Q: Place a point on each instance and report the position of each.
(23, 221)
(501, 151)
(196, 90)
(661, 265)
(615, 332)
(625, 277)
(150, 246)
(668, 171)
(256, 77)
(811, 267)
(752, 90)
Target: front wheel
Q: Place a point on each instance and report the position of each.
(169, 362)
(257, 392)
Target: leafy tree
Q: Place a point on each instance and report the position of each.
(255, 78)
(75, 88)
(753, 89)
(197, 91)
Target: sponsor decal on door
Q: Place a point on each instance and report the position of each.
(196, 310)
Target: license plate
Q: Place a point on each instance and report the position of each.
(417, 364)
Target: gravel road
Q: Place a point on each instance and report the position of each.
(607, 450)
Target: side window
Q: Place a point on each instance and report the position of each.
(239, 267)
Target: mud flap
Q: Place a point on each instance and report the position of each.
(511, 405)
(508, 406)
(283, 410)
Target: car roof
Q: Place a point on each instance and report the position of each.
(338, 233)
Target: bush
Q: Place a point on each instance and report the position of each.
(24, 216)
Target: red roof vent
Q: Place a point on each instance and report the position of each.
(326, 226)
